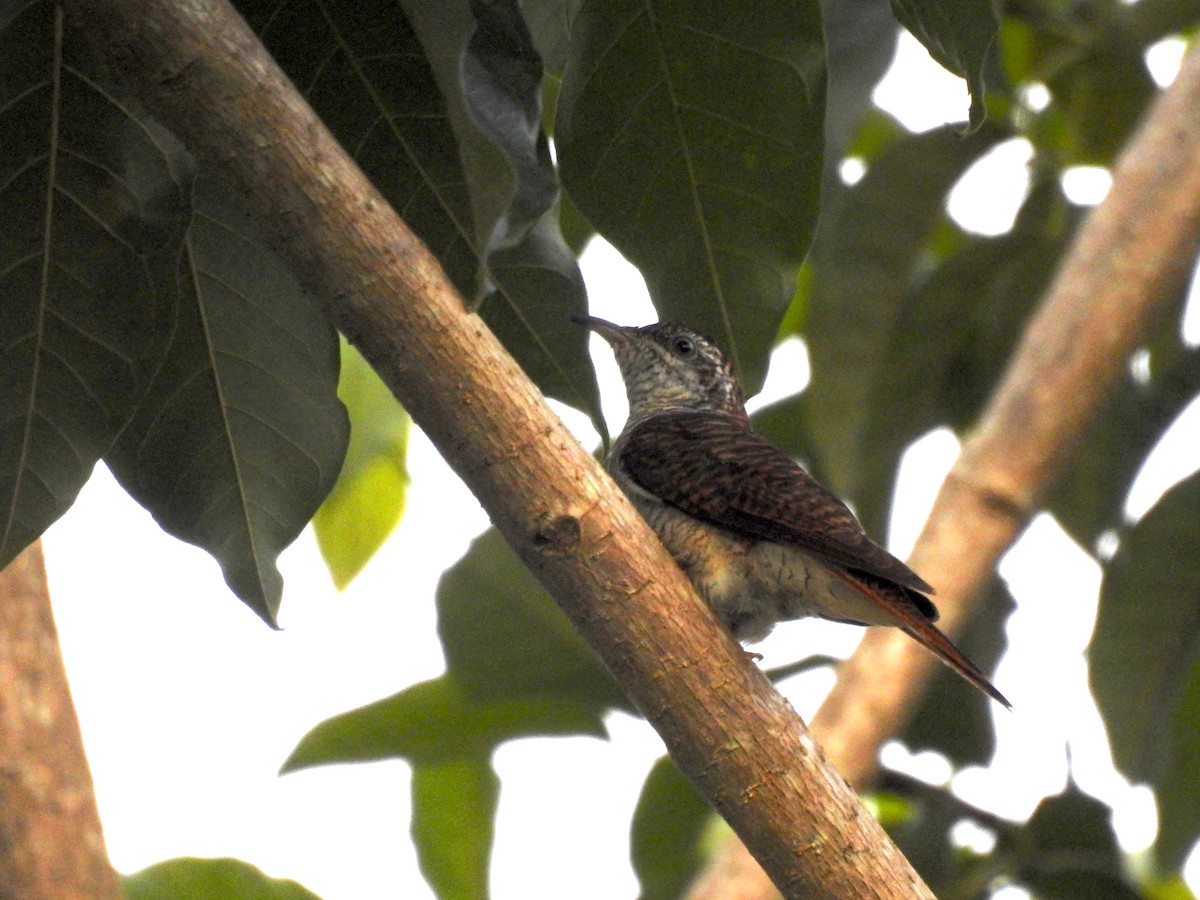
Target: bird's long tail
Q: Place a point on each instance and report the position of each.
(902, 607)
(929, 636)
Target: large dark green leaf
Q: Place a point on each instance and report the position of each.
(539, 332)
(690, 135)
(1144, 664)
(368, 499)
(444, 31)
(380, 90)
(454, 815)
(527, 258)
(363, 70)
(865, 261)
(241, 434)
(93, 203)
(670, 819)
(505, 638)
(959, 34)
(209, 878)
(435, 722)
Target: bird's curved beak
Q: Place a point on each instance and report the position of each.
(614, 334)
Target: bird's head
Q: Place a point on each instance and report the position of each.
(669, 366)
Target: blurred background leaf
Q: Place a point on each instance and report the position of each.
(368, 499)
(670, 824)
(1143, 662)
(193, 877)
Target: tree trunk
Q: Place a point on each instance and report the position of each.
(51, 845)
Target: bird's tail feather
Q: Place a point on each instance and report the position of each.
(894, 604)
(928, 635)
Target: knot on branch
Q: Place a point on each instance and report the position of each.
(557, 535)
(996, 501)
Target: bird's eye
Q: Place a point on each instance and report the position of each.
(683, 346)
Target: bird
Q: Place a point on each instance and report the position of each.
(760, 539)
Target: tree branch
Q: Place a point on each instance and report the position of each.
(51, 845)
(200, 69)
(1122, 275)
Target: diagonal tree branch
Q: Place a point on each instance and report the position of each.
(201, 70)
(1122, 275)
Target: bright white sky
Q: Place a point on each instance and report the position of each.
(189, 704)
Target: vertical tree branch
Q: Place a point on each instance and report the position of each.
(51, 845)
(1123, 273)
(202, 71)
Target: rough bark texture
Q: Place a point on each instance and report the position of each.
(202, 71)
(51, 845)
(1123, 273)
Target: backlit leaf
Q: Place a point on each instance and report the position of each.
(368, 499)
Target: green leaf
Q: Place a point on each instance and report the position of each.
(1174, 888)
(1071, 884)
(1144, 666)
(539, 285)
(93, 204)
(435, 722)
(504, 637)
(860, 40)
(538, 330)
(691, 136)
(454, 815)
(958, 34)
(550, 24)
(1176, 789)
(669, 822)
(866, 259)
(1090, 499)
(363, 70)
(241, 434)
(368, 499)
(191, 877)
(1077, 825)
(1094, 64)
(445, 30)
(1068, 850)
